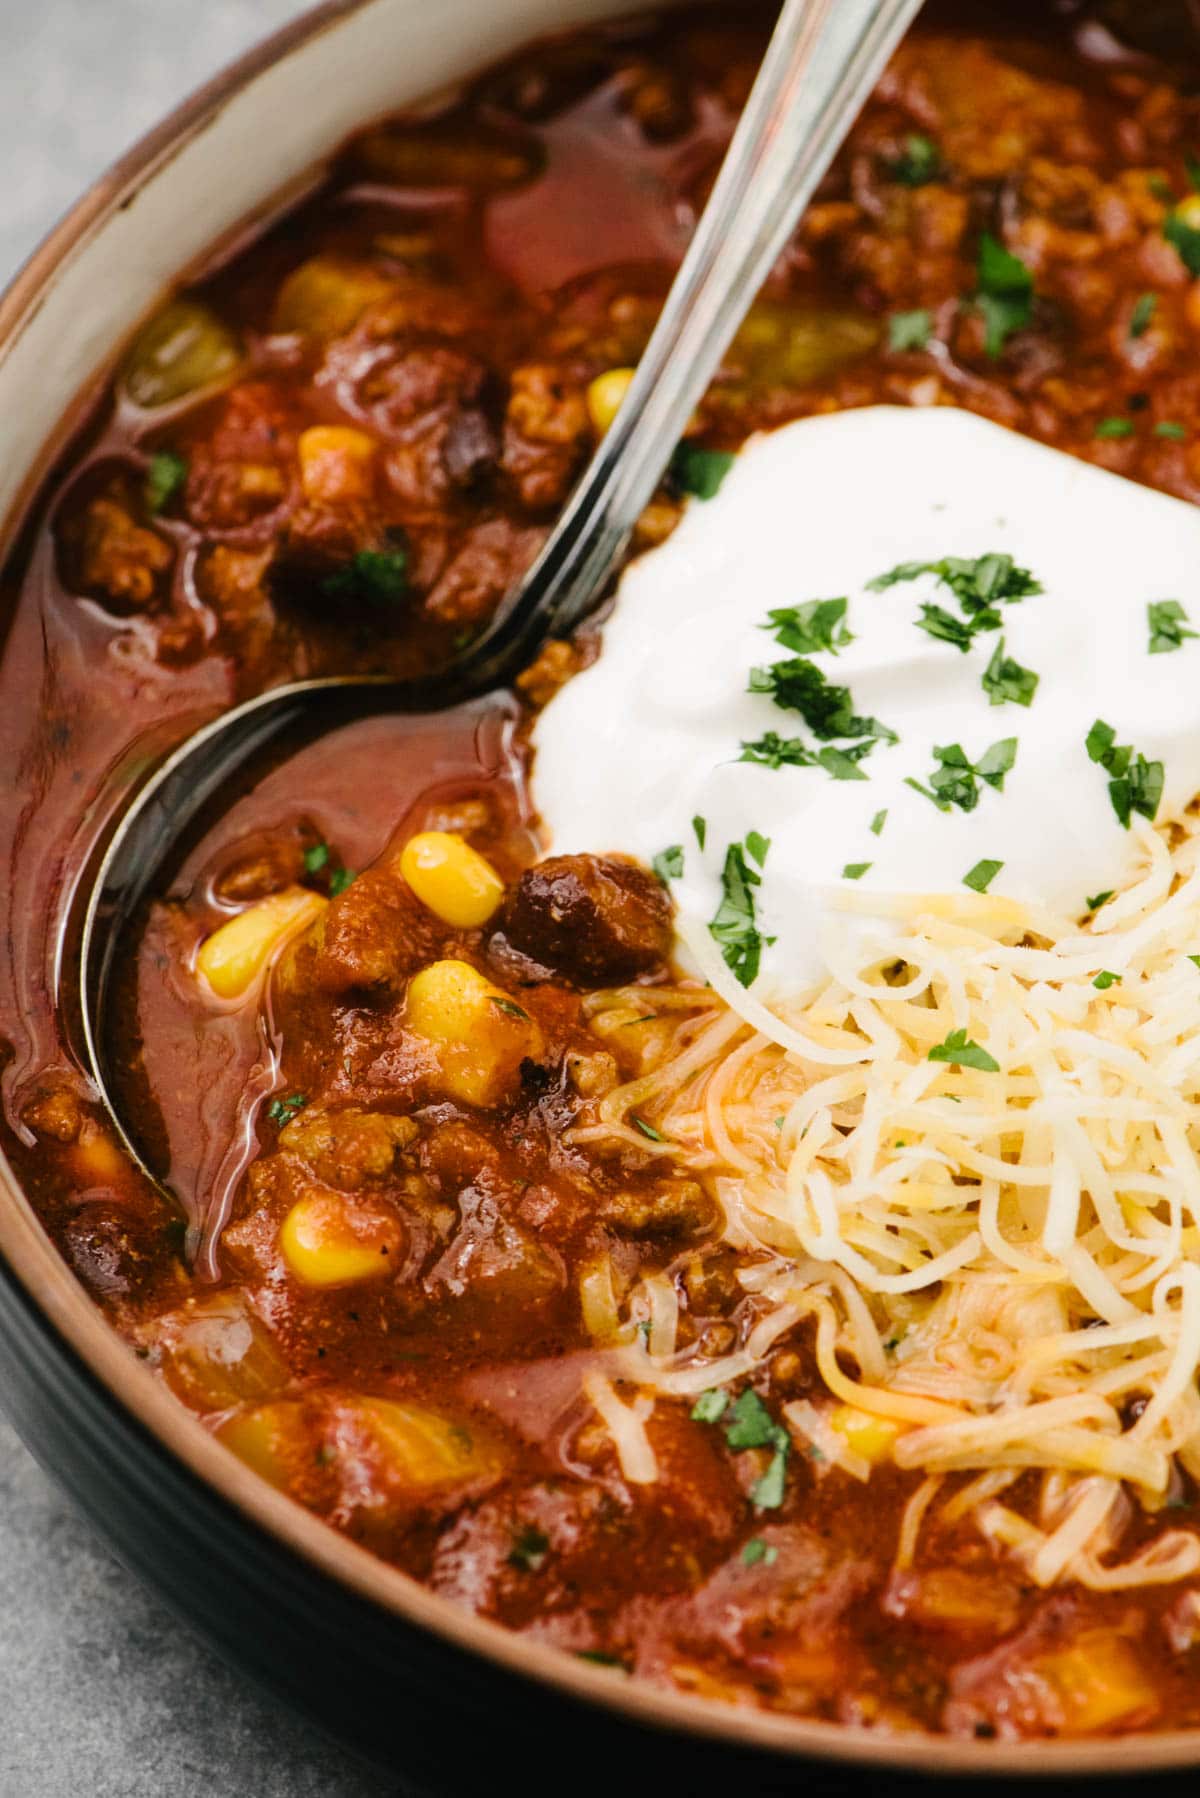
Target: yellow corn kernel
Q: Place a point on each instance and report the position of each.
(871, 1438)
(604, 396)
(96, 1158)
(272, 1439)
(425, 1449)
(452, 879)
(1188, 212)
(481, 1036)
(233, 957)
(328, 1241)
(337, 464)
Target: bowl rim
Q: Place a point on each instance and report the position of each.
(82, 1327)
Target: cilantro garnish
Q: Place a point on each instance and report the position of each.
(1098, 899)
(1003, 294)
(700, 826)
(1144, 309)
(165, 474)
(758, 1552)
(1168, 427)
(647, 1130)
(980, 877)
(955, 782)
(378, 575)
(281, 1111)
(315, 858)
(1168, 626)
(773, 751)
(800, 686)
(710, 1406)
(1195, 960)
(855, 870)
(979, 584)
(529, 1550)
(961, 1052)
(599, 1659)
(340, 879)
(944, 625)
(807, 629)
(668, 863)
(1185, 238)
(918, 163)
(752, 1426)
(1106, 978)
(1114, 428)
(699, 471)
(1004, 679)
(508, 1007)
(734, 926)
(878, 822)
(1136, 784)
(910, 330)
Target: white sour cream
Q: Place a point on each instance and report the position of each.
(648, 738)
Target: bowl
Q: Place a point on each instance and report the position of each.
(401, 1674)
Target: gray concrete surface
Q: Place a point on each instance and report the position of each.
(101, 1691)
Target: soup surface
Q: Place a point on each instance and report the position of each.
(461, 1254)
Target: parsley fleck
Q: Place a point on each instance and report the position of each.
(699, 471)
(1004, 679)
(807, 629)
(919, 162)
(1168, 626)
(1114, 427)
(752, 1426)
(281, 1111)
(960, 1051)
(648, 1130)
(1185, 238)
(800, 686)
(315, 858)
(1195, 960)
(878, 822)
(1098, 899)
(710, 1406)
(378, 575)
(599, 1659)
(165, 474)
(979, 584)
(773, 751)
(980, 877)
(1168, 427)
(1003, 294)
(1106, 978)
(767, 1492)
(1136, 784)
(1144, 309)
(340, 879)
(758, 1552)
(910, 330)
(955, 782)
(668, 863)
(508, 1007)
(944, 625)
(700, 827)
(757, 845)
(529, 1550)
(855, 870)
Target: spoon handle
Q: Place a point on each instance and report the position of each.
(823, 59)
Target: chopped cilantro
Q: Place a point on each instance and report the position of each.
(757, 1552)
(1098, 899)
(752, 1426)
(699, 471)
(1168, 626)
(710, 1406)
(508, 1007)
(734, 926)
(1195, 960)
(1114, 427)
(1003, 294)
(855, 870)
(767, 1492)
(960, 1051)
(1004, 679)
(1185, 238)
(918, 163)
(648, 1130)
(281, 1111)
(757, 845)
(599, 1659)
(165, 474)
(980, 877)
(700, 827)
(1168, 427)
(1106, 978)
(980, 584)
(807, 629)
(955, 782)
(878, 822)
(910, 330)
(378, 575)
(1136, 785)
(340, 879)
(315, 858)
(529, 1550)
(668, 863)
(944, 625)
(1144, 309)
(773, 751)
(800, 686)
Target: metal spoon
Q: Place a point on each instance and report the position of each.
(823, 59)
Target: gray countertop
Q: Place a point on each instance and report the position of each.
(101, 1689)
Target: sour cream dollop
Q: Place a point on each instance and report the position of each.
(647, 740)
